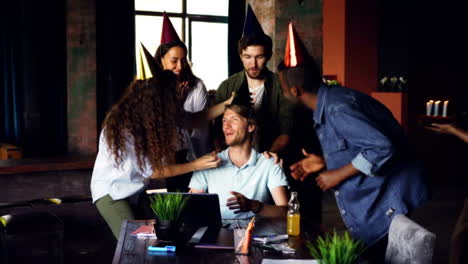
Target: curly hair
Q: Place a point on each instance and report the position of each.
(148, 116)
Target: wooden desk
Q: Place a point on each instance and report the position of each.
(131, 249)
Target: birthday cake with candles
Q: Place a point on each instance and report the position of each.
(436, 112)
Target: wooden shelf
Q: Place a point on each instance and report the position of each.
(50, 164)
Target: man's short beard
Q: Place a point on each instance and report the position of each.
(260, 76)
(237, 142)
(234, 143)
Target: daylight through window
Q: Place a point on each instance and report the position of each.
(201, 24)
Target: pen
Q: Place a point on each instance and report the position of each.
(162, 249)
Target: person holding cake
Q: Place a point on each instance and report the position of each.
(459, 240)
(450, 129)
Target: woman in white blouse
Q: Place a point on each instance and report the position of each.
(140, 137)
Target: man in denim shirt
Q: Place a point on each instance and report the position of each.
(368, 164)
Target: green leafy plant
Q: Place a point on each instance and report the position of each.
(168, 207)
(336, 249)
(393, 84)
(332, 82)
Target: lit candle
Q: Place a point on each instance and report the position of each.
(429, 107)
(444, 109)
(436, 108)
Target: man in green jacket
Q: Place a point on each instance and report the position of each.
(258, 87)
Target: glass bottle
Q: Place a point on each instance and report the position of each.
(294, 216)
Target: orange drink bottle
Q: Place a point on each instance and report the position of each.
(294, 216)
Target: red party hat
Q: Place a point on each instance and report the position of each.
(168, 33)
(294, 53)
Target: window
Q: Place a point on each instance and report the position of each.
(201, 24)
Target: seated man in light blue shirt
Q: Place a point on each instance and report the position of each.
(247, 182)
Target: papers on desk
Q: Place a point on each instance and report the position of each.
(283, 248)
(271, 239)
(290, 261)
(144, 231)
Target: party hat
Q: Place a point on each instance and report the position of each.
(251, 25)
(144, 63)
(294, 54)
(168, 33)
(243, 95)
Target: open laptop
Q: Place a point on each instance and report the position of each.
(201, 220)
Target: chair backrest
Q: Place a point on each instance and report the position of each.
(408, 242)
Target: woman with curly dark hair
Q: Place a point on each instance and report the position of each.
(140, 138)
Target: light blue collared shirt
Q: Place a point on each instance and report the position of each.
(254, 180)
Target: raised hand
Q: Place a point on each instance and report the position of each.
(183, 85)
(239, 202)
(253, 100)
(208, 161)
(442, 128)
(328, 179)
(311, 163)
(229, 101)
(274, 155)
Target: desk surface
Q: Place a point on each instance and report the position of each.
(131, 249)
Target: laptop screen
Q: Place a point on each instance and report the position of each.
(202, 209)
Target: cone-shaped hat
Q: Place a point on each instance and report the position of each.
(251, 25)
(168, 33)
(144, 63)
(294, 54)
(242, 96)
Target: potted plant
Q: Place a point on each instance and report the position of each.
(336, 249)
(167, 210)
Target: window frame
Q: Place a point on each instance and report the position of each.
(186, 17)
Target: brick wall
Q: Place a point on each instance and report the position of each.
(307, 20)
(274, 16)
(81, 76)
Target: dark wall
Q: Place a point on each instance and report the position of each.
(437, 71)
(42, 76)
(393, 38)
(40, 38)
(424, 43)
(115, 52)
(361, 49)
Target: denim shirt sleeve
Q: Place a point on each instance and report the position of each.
(375, 149)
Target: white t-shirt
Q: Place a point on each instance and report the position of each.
(257, 95)
(127, 180)
(197, 101)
